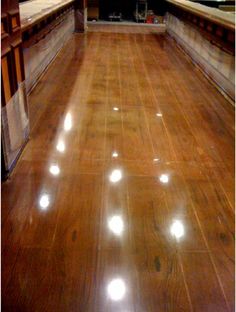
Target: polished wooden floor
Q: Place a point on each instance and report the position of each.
(123, 199)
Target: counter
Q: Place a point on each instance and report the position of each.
(34, 11)
(207, 35)
(46, 26)
(214, 15)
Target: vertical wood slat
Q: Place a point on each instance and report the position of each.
(11, 46)
(14, 22)
(18, 64)
(6, 79)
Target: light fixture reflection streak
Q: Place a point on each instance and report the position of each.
(68, 122)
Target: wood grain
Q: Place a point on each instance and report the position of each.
(64, 256)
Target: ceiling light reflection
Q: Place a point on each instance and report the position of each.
(177, 229)
(156, 159)
(115, 154)
(44, 201)
(115, 108)
(115, 176)
(159, 115)
(54, 169)
(116, 225)
(164, 178)
(68, 122)
(116, 289)
(61, 146)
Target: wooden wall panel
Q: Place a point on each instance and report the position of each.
(211, 48)
(18, 64)
(13, 101)
(6, 79)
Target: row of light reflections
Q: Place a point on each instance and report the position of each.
(116, 289)
(54, 169)
(116, 109)
(116, 226)
(115, 176)
(68, 126)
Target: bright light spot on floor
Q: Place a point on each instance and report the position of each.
(44, 201)
(177, 229)
(115, 176)
(116, 289)
(61, 146)
(115, 108)
(54, 169)
(164, 178)
(156, 159)
(159, 115)
(68, 122)
(115, 154)
(116, 225)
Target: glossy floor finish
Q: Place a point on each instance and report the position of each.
(123, 199)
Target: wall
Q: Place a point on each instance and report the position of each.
(14, 106)
(40, 54)
(216, 62)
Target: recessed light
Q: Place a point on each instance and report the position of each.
(68, 122)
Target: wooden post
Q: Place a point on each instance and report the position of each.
(80, 15)
(14, 117)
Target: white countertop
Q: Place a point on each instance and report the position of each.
(34, 10)
(215, 15)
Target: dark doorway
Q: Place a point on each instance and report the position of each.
(127, 8)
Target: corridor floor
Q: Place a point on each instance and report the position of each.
(123, 199)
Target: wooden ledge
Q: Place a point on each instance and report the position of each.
(212, 14)
(34, 11)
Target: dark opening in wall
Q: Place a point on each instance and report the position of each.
(126, 8)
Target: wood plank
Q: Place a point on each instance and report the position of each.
(62, 258)
(200, 278)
